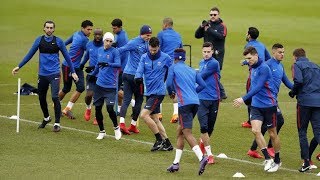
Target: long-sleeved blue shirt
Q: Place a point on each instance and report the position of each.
(306, 82)
(136, 47)
(154, 69)
(121, 39)
(79, 41)
(262, 90)
(169, 41)
(182, 79)
(261, 49)
(210, 72)
(278, 74)
(48, 63)
(107, 76)
(91, 53)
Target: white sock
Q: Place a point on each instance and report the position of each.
(119, 107)
(208, 150)
(196, 149)
(121, 119)
(178, 156)
(47, 118)
(58, 124)
(133, 122)
(88, 106)
(133, 102)
(161, 108)
(175, 108)
(70, 105)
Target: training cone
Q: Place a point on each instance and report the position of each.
(318, 174)
(222, 155)
(238, 175)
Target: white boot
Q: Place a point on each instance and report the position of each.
(117, 133)
(101, 135)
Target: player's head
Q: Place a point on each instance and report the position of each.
(97, 34)
(116, 25)
(297, 53)
(108, 39)
(154, 45)
(167, 23)
(207, 50)
(146, 32)
(251, 55)
(278, 51)
(86, 27)
(253, 33)
(49, 27)
(179, 54)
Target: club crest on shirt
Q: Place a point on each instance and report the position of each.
(159, 63)
(108, 56)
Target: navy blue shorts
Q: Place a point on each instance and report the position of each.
(207, 115)
(153, 103)
(53, 80)
(186, 115)
(102, 94)
(90, 83)
(67, 79)
(268, 116)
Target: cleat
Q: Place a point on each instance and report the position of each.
(271, 152)
(304, 168)
(133, 129)
(87, 114)
(312, 166)
(56, 128)
(44, 123)
(201, 145)
(274, 167)
(174, 118)
(101, 135)
(123, 129)
(160, 116)
(173, 168)
(117, 133)
(268, 164)
(211, 159)
(203, 164)
(246, 124)
(157, 145)
(67, 112)
(95, 122)
(254, 154)
(318, 157)
(166, 147)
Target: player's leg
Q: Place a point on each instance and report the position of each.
(43, 85)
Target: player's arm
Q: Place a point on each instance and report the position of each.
(200, 82)
(297, 79)
(69, 40)
(266, 54)
(169, 83)
(65, 54)
(140, 69)
(210, 70)
(128, 47)
(286, 80)
(116, 60)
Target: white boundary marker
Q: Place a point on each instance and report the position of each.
(150, 143)
(18, 106)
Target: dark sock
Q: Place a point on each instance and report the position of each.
(158, 137)
(306, 163)
(265, 153)
(254, 146)
(168, 141)
(277, 157)
(270, 144)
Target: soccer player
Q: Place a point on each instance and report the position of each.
(263, 106)
(306, 88)
(153, 67)
(169, 41)
(107, 81)
(49, 71)
(92, 54)
(135, 47)
(209, 98)
(120, 39)
(182, 79)
(251, 38)
(278, 75)
(215, 31)
(79, 41)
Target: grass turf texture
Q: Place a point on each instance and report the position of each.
(38, 154)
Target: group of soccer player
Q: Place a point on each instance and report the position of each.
(148, 66)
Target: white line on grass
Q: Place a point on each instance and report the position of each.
(150, 143)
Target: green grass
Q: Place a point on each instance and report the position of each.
(73, 154)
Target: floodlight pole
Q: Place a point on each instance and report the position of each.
(18, 105)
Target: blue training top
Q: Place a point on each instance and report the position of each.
(210, 72)
(262, 89)
(136, 47)
(49, 63)
(121, 39)
(91, 53)
(169, 41)
(107, 76)
(154, 68)
(79, 41)
(182, 79)
(261, 49)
